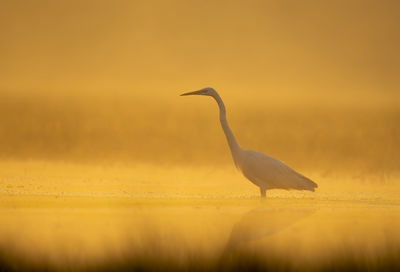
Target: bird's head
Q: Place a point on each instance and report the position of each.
(206, 91)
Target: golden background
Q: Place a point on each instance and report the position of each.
(96, 145)
(310, 82)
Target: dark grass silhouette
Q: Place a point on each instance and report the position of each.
(258, 223)
(241, 260)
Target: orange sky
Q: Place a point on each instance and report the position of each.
(301, 79)
(286, 46)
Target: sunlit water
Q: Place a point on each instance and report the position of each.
(69, 216)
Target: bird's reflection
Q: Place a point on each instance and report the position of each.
(262, 222)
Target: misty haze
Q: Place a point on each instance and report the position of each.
(103, 166)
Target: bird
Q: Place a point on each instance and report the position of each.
(262, 170)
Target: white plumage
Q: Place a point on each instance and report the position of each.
(262, 170)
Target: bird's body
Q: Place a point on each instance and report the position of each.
(269, 173)
(262, 170)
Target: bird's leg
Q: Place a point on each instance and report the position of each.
(263, 192)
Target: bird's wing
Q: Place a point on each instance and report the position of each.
(269, 172)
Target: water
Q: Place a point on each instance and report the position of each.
(63, 216)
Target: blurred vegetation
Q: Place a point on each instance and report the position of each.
(359, 140)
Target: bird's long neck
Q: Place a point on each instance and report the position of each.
(233, 145)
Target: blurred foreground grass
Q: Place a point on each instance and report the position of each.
(59, 216)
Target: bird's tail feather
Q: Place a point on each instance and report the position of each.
(306, 183)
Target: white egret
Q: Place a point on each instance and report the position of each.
(262, 170)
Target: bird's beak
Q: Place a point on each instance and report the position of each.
(201, 92)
